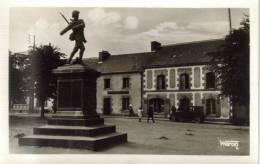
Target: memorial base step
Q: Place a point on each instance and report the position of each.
(93, 143)
(70, 115)
(74, 130)
(75, 121)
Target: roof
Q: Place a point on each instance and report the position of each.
(91, 62)
(191, 53)
(119, 63)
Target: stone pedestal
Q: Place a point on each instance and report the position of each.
(76, 89)
(76, 123)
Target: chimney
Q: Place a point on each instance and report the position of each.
(103, 55)
(155, 46)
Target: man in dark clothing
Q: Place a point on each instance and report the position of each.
(150, 114)
(173, 109)
(172, 112)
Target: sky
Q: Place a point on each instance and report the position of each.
(119, 30)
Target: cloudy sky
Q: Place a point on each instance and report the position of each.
(120, 30)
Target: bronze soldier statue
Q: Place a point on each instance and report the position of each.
(77, 26)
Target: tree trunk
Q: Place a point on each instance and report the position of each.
(42, 108)
(31, 99)
(11, 104)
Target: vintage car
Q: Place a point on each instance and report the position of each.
(190, 113)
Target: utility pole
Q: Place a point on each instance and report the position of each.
(31, 97)
(229, 18)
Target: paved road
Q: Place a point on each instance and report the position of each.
(161, 137)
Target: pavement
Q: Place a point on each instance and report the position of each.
(161, 137)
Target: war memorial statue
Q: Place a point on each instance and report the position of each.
(77, 26)
(76, 105)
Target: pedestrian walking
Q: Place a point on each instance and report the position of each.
(140, 113)
(172, 112)
(150, 114)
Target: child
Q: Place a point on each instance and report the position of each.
(139, 113)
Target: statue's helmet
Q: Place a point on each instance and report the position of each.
(75, 13)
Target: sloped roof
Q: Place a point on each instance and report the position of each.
(119, 63)
(191, 53)
(91, 62)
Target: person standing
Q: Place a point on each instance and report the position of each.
(140, 113)
(172, 112)
(150, 114)
(54, 105)
(131, 111)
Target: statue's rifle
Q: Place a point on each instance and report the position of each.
(66, 28)
(64, 18)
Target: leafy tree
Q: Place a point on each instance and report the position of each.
(233, 70)
(42, 61)
(16, 92)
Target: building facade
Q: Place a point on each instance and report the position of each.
(184, 86)
(115, 92)
(180, 75)
(120, 82)
(173, 75)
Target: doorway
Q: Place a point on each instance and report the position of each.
(107, 106)
(211, 106)
(157, 105)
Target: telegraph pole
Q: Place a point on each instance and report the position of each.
(229, 18)
(232, 109)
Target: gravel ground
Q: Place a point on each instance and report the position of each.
(161, 137)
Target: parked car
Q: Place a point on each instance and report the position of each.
(191, 113)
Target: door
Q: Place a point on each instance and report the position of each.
(107, 106)
(157, 105)
(211, 106)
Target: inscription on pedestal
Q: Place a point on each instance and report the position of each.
(70, 94)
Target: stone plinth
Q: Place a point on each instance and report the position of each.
(76, 89)
(75, 132)
(76, 123)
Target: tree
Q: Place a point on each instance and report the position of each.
(16, 92)
(43, 60)
(232, 65)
